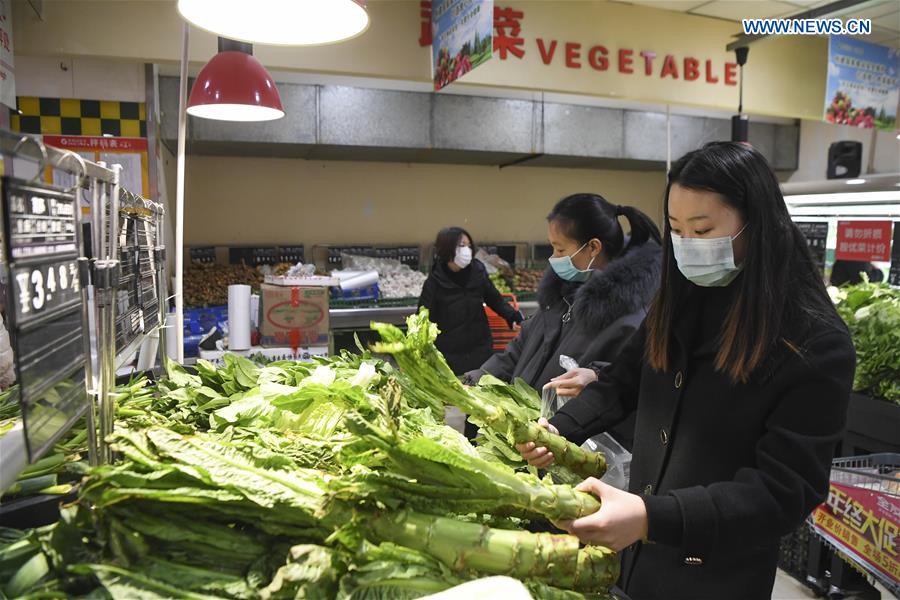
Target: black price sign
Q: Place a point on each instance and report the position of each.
(894, 276)
(41, 226)
(43, 288)
(203, 254)
(816, 233)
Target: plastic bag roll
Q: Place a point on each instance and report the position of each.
(238, 317)
(360, 281)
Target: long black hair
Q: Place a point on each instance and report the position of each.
(780, 282)
(447, 241)
(584, 217)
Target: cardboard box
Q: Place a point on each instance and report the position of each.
(293, 316)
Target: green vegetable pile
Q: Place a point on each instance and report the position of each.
(872, 313)
(332, 479)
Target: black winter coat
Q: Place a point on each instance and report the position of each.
(606, 311)
(724, 469)
(458, 311)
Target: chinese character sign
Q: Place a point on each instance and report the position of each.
(7, 71)
(864, 525)
(894, 277)
(461, 37)
(863, 84)
(864, 241)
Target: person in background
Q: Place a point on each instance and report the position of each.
(740, 377)
(455, 294)
(592, 298)
(850, 272)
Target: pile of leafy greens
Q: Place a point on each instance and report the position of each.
(330, 479)
(872, 313)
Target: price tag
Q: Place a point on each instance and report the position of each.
(44, 300)
(816, 234)
(894, 276)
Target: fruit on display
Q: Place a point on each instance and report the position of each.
(311, 480)
(500, 283)
(207, 284)
(842, 112)
(527, 280)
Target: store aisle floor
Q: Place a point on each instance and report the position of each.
(788, 588)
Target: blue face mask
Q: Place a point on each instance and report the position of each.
(566, 269)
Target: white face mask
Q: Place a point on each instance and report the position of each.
(707, 262)
(463, 257)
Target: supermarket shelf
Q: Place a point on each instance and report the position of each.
(361, 318)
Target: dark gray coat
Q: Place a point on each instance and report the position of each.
(725, 469)
(606, 310)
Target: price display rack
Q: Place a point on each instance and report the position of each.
(62, 296)
(41, 234)
(256, 256)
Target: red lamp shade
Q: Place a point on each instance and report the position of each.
(234, 86)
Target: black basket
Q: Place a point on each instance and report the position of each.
(793, 553)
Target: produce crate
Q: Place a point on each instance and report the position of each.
(793, 553)
(872, 426)
(197, 321)
(500, 331)
(368, 293)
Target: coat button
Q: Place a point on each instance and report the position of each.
(679, 379)
(648, 490)
(663, 437)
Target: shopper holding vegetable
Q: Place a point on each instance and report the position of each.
(740, 378)
(455, 294)
(592, 298)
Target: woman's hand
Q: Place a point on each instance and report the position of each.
(620, 522)
(538, 456)
(571, 383)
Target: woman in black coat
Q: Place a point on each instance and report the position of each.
(455, 294)
(589, 312)
(740, 378)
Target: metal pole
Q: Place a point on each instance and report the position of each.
(179, 198)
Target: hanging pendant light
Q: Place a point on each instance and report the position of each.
(234, 86)
(279, 22)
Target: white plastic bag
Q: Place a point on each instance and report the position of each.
(618, 459)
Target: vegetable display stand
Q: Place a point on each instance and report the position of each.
(500, 331)
(872, 426)
(860, 519)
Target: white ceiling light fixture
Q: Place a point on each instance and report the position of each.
(279, 22)
(855, 181)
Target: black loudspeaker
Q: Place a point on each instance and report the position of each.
(844, 160)
(740, 128)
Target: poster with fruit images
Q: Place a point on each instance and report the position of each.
(461, 38)
(863, 87)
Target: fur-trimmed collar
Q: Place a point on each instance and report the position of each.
(626, 285)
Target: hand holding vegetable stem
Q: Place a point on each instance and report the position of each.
(538, 456)
(620, 522)
(571, 383)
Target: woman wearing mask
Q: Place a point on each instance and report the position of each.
(740, 378)
(455, 294)
(592, 298)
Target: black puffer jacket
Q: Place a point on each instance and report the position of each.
(458, 311)
(606, 310)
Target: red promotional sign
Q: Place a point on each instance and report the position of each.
(80, 143)
(864, 525)
(864, 241)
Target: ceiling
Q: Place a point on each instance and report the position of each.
(885, 14)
